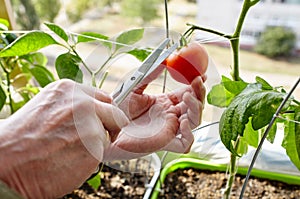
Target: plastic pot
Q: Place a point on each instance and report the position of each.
(206, 165)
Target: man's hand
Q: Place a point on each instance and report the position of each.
(159, 122)
(55, 142)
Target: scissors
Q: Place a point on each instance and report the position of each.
(146, 68)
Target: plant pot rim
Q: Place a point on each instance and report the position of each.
(207, 165)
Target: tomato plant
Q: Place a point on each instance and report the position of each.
(188, 62)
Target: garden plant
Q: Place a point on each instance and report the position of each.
(252, 110)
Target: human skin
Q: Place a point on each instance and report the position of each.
(56, 141)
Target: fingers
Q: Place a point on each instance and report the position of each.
(199, 88)
(112, 117)
(183, 141)
(95, 93)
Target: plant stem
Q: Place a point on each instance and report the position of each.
(232, 172)
(84, 64)
(8, 88)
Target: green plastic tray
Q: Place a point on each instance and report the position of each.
(206, 165)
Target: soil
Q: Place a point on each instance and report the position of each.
(118, 183)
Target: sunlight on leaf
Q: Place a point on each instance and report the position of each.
(92, 36)
(129, 37)
(58, 31)
(28, 43)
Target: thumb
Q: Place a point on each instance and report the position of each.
(112, 118)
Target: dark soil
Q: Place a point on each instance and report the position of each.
(187, 183)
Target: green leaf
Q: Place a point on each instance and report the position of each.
(251, 136)
(272, 133)
(95, 182)
(222, 94)
(42, 75)
(235, 87)
(291, 141)
(92, 36)
(4, 24)
(264, 83)
(253, 102)
(36, 58)
(2, 97)
(28, 43)
(129, 37)
(67, 66)
(58, 30)
(242, 147)
(140, 54)
(219, 96)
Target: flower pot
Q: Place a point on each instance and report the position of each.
(186, 163)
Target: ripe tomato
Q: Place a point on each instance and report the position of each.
(188, 63)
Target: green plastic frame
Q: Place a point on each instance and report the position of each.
(206, 165)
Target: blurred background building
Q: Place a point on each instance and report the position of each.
(222, 15)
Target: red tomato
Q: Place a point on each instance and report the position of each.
(188, 63)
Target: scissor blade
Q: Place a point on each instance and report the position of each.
(161, 58)
(146, 65)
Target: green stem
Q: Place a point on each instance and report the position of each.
(195, 27)
(8, 88)
(103, 78)
(232, 172)
(84, 64)
(107, 60)
(296, 102)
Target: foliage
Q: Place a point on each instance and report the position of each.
(23, 68)
(276, 41)
(145, 11)
(250, 107)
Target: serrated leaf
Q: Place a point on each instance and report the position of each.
(42, 75)
(58, 31)
(140, 54)
(253, 102)
(28, 43)
(92, 36)
(129, 37)
(95, 182)
(291, 140)
(2, 97)
(67, 66)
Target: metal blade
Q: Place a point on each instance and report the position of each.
(163, 56)
(146, 65)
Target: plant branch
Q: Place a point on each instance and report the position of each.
(84, 64)
(195, 27)
(8, 88)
